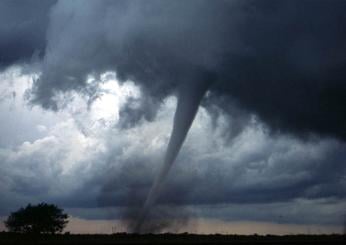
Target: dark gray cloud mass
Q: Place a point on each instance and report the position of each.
(23, 26)
(284, 61)
(262, 177)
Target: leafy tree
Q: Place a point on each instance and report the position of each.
(41, 218)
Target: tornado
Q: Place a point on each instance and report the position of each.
(189, 98)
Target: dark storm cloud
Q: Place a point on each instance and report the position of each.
(272, 175)
(281, 60)
(23, 26)
(293, 75)
(137, 109)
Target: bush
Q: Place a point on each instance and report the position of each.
(41, 218)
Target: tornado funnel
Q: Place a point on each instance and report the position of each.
(189, 98)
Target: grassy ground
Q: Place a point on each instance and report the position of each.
(11, 238)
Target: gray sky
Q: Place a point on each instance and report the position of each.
(88, 93)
